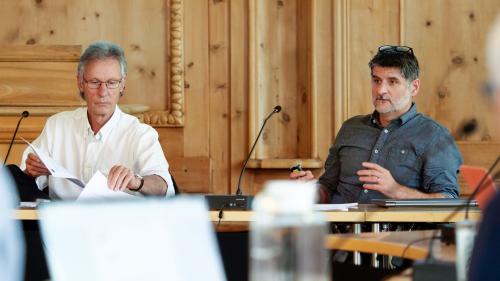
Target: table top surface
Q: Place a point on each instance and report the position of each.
(363, 213)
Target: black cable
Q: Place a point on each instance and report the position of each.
(416, 241)
(221, 214)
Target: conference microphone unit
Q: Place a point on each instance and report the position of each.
(238, 201)
(24, 114)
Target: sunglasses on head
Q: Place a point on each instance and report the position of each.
(391, 48)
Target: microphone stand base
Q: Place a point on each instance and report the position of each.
(229, 202)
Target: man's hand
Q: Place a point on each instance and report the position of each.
(301, 175)
(375, 177)
(121, 177)
(35, 167)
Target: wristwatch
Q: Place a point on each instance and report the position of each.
(139, 177)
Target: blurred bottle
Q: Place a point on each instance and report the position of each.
(287, 237)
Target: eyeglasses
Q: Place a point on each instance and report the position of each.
(391, 48)
(96, 84)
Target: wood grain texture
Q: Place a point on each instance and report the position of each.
(239, 91)
(218, 12)
(52, 53)
(38, 83)
(243, 57)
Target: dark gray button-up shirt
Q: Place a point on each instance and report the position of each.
(419, 152)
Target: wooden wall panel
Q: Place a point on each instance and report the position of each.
(370, 23)
(243, 57)
(276, 74)
(322, 84)
(452, 63)
(239, 93)
(62, 22)
(38, 83)
(196, 48)
(219, 95)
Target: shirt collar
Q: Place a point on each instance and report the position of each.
(412, 112)
(108, 126)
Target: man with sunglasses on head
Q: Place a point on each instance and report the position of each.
(100, 137)
(395, 152)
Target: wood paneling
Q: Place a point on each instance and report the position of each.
(62, 22)
(38, 84)
(219, 100)
(452, 63)
(243, 57)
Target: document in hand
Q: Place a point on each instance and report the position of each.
(55, 169)
(96, 188)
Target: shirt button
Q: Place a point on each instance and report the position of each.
(403, 151)
(376, 151)
(365, 191)
(386, 131)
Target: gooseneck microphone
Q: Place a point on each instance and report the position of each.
(238, 201)
(275, 110)
(24, 114)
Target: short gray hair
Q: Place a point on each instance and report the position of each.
(101, 50)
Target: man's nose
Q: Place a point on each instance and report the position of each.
(382, 88)
(103, 89)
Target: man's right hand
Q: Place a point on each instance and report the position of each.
(35, 167)
(302, 175)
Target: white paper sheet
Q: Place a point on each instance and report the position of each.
(55, 169)
(131, 240)
(97, 188)
(333, 207)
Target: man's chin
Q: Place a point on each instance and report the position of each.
(384, 109)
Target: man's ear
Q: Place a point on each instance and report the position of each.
(79, 83)
(122, 86)
(414, 87)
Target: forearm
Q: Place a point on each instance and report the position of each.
(154, 185)
(410, 193)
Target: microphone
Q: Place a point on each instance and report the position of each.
(24, 114)
(238, 201)
(275, 110)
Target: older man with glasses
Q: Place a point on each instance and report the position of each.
(395, 152)
(100, 137)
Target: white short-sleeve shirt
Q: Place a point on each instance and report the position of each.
(68, 138)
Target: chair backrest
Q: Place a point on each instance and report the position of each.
(473, 175)
(176, 187)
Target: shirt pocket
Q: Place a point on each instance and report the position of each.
(351, 156)
(405, 165)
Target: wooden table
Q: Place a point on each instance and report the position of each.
(390, 243)
(365, 213)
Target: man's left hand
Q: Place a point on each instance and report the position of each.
(121, 177)
(376, 177)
